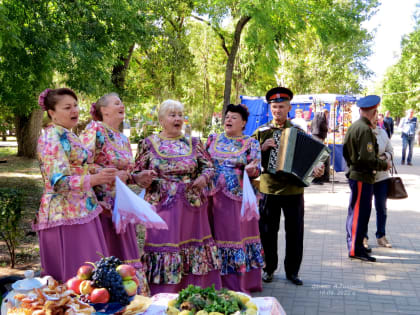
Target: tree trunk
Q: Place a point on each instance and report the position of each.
(27, 133)
(231, 60)
(120, 70)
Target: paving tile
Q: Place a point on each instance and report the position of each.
(335, 284)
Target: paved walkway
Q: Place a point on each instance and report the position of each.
(335, 284)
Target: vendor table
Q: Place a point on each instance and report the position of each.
(339, 161)
(266, 305)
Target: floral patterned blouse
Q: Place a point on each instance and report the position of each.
(110, 148)
(68, 197)
(230, 156)
(175, 160)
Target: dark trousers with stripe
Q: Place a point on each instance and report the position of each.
(270, 211)
(358, 215)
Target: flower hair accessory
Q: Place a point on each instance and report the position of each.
(41, 99)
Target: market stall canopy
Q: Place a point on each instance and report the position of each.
(259, 110)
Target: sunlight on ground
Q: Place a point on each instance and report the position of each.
(328, 232)
(336, 263)
(405, 251)
(15, 175)
(383, 258)
(376, 278)
(409, 204)
(382, 292)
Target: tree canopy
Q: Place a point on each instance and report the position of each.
(401, 85)
(203, 52)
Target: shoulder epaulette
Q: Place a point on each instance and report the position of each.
(263, 128)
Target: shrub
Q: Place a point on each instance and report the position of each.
(10, 218)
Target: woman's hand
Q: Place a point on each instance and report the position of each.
(199, 184)
(269, 143)
(144, 178)
(104, 176)
(123, 175)
(252, 168)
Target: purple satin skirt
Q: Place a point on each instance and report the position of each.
(236, 239)
(185, 253)
(123, 246)
(63, 249)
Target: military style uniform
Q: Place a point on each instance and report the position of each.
(361, 153)
(279, 194)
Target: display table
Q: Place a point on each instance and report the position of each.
(340, 164)
(266, 305)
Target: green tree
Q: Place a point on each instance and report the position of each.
(204, 89)
(401, 84)
(88, 42)
(274, 25)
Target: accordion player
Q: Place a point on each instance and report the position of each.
(296, 154)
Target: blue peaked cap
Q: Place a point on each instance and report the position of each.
(369, 101)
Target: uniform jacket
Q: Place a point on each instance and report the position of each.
(361, 152)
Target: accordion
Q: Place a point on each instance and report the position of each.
(296, 154)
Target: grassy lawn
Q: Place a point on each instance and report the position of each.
(23, 174)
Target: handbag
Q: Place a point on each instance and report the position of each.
(396, 189)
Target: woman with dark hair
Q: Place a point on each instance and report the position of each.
(70, 231)
(111, 148)
(238, 240)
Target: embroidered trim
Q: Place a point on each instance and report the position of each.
(193, 240)
(113, 144)
(221, 187)
(223, 153)
(167, 138)
(156, 148)
(245, 240)
(109, 127)
(166, 201)
(234, 138)
(171, 267)
(240, 260)
(86, 219)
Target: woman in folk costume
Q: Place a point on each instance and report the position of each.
(111, 148)
(70, 231)
(237, 238)
(185, 253)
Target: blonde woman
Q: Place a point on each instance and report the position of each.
(185, 253)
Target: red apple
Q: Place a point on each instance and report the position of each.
(136, 280)
(99, 295)
(126, 271)
(85, 272)
(130, 287)
(74, 284)
(86, 287)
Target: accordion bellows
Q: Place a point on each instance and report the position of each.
(296, 154)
